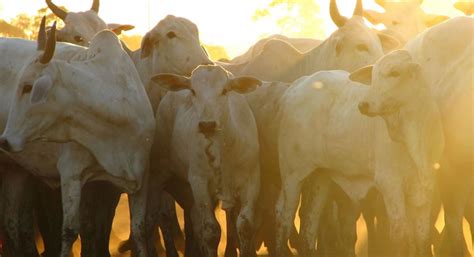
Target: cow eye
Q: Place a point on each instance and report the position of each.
(171, 35)
(193, 92)
(362, 48)
(394, 74)
(224, 92)
(395, 23)
(78, 39)
(26, 89)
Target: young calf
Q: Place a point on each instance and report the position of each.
(207, 135)
(322, 132)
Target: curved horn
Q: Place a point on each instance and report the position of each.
(50, 46)
(56, 10)
(336, 17)
(95, 6)
(359, 9)
(42, 35)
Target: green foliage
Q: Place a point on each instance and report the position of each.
(295, 18)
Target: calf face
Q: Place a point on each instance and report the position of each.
(395, 80)
(210, 86)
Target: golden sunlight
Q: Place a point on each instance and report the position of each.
(226, 23)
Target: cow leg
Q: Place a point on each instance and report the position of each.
(18, 213)
(182, 193)
(245, 221)
(454, 192)
(49, 215)
(232, 244)
(394, 199)
(419, 206)
(285, 213)
(314, 198)
(169, 225)
(204, 220)
(348, 214)
(71, 198)
(469, 214)
(138, 210)
(73, 160)
(97, 211)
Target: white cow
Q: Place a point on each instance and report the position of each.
(453, 95)
(301, 44)
(80, 27)
(444, 51)
(206, 134)
(62, 101)
(353, 40)
(343, 44)
(403, 19)
(322, 132)
(172, 46)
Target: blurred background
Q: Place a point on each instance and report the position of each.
(227, 27)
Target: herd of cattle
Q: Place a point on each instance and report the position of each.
(366, 122)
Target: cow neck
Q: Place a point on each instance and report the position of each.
(421, 132)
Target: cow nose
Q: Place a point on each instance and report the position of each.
(4, 144)
(364, 107)
(207, 127)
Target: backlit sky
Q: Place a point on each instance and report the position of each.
(221, 22)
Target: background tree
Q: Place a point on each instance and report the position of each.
(26, 26)
(295, 18)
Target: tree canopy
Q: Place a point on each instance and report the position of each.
(295, 18)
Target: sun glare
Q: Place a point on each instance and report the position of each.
(225, 23)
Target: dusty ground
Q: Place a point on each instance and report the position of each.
(121, 230)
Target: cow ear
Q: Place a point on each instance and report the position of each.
(118, 28)
(243, 85)
(433, 19)
(373, 16)
(148, 44)
(362, 75)
(41, 89)
(172, 82)
(388, 42)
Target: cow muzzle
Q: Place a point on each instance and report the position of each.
(207, 127)
(4, 144)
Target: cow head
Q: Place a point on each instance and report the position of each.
(355, 41)
(36, 81)
(395, 81)
(173, 45)
(210, 87)
(80, 27)
(405, 19)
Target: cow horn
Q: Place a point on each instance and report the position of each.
(359, 9)
(56, 10)
(50, 46)
(42, 34)
(380, 2)
(336, 17)
(95, 6)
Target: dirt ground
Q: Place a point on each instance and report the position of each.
(121, 227)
